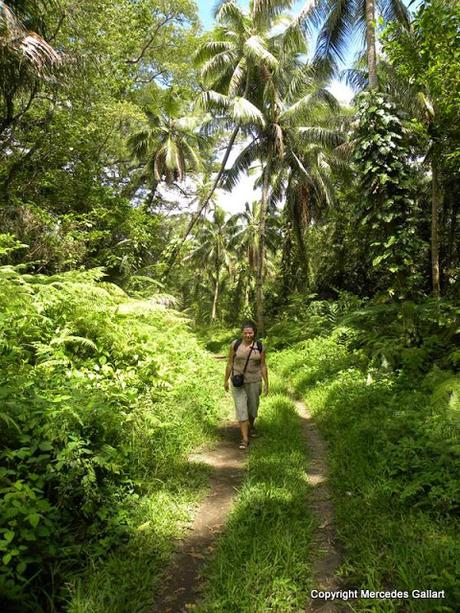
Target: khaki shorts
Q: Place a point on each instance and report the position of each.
(247, 400)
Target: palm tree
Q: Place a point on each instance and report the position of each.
(289, 98)
(25, 58)
(212, 253)
(340, 19)
(169, 143)
(276, 79)
(236, 51)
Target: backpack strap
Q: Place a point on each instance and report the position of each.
(236, 343)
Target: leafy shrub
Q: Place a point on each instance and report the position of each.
(389, 407)
(96, 392)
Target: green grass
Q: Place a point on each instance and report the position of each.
(261, 561)
(394, 469)
(129, 578)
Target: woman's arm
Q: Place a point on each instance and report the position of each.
(228, 368)
(263, 367)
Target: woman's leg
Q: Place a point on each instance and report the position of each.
(253, 391)
(244, 428)
(241, 408)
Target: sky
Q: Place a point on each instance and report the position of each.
(244, 191)
(205, 8)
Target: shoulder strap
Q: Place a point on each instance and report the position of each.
(235, 348)
(238, 341)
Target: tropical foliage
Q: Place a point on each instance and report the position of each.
(125, 132)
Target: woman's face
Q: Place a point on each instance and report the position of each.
(248, 335)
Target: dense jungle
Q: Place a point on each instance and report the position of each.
(169, 170)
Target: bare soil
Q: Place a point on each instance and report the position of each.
(328, 555)
(181, 589)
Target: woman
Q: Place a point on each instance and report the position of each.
(247, 357)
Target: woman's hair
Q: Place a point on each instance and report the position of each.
(249, 324)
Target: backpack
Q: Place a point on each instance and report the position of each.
(238, 342)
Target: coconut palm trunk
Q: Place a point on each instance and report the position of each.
(204, 203)
(261, 255)
(436, 201)
(371, 44)
(215, 300)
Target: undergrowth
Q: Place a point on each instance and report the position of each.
(99, 410)
(386, 394)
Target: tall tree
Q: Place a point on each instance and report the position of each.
(169, 144)
(278, 78)
(340, 19)
(212, 253)
(426, 61)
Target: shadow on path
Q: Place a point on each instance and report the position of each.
(182, 579)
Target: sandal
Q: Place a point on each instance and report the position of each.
(244, 445)
(253, 434)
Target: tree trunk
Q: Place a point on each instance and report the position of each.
(261, 255)
(214, 302)
(436, 201)
(371, 44)
(452, 233)
(205, 202)
(151, 196)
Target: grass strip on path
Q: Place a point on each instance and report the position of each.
(261, 562)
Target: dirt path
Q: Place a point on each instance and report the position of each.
(181, 589)
(325, 543)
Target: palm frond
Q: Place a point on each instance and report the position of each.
(217, 66)
(355, 78)
(300, 81)
(192, 156)
(256, 49)
(244, 112)
(38, 52)
(211, 99)
(228, 11)
(138, 143)
(294, 36)
(237, 77)
(242, 164)
(322, 136)
(265, 11)
(309, 102)
(170, 152)
(17, 41)
(344, 151)
(209, 49)
(394, 10)
(336, 31)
